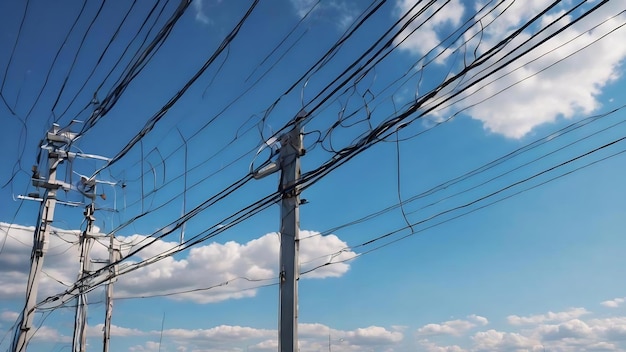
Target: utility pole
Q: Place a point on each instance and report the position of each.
(57, 140)
(329, 345)
(289, 163)
(79, 342)
(114, 256)
(290, 152)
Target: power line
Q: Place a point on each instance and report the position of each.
(414, 232)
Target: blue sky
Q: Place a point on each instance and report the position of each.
(509, 236)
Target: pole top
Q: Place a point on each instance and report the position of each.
(302, 114)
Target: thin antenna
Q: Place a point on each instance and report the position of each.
(161, 337)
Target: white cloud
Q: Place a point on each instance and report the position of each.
(572, 335)
(118, 331)
(198, 6)
(578, 335)
(220, 334)
(611, 329)
(572, 313)
(316, 251)
(574, 328)
(302, 7)
(60, 265)
(492, 340)
(48, 334)
(240, 265)
(422, 35)
(429, 346)
(564, 90)
(453, 327)
(148, 346)
(341, 12)
(373, 335)
(9, 316)
(530, 92)
(233, 267)
(554, 331)
(614, 303)
(312, 337)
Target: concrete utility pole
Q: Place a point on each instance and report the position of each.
(289, 163)
(79, 342)
(57, 140)
(290, 152)
(114, 255)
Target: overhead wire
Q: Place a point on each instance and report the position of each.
(401, 31)
(72, 65)
(55, 103)
(157, 116)
(15, 43)
(386, 128)
(133, 59)
(549, 138)
(54, 60)
(459, 33)
(226, 41)
(202, 236)
(377, 134)
(370, 140)
(202, 289)
(475, 201)
(99, 61)
(232, 102)
(17, 166)
(134, 69)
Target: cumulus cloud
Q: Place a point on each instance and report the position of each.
(232, 270)
(373, 335)
(9, 316)
(574, 328)
(561, 78)
(219, 336)
(613, 303)
(493, 340)
(572, 313)
(48, 334)
(61, 262)
(315, 337)
(572, 335)
(96, 330)
(453, 327)
(148, 346)
(565, 331)
(422, 35)
(429, 346)
(582, 335)
(312, 337)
